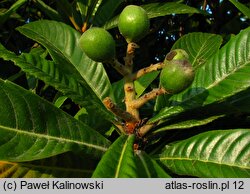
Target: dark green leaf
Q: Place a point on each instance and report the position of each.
(62, 42)
(244, 9)
(158, 9)
(223, 76)
(105, 11)
(49, 11)
(52, 74)
(65, 165)
(4, 16)
(119, 160)
(189, 123)
(161, 9)
(199, 46)
(213, 154)
(34, 129)
(148, 167)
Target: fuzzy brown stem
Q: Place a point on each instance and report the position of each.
(145, 128)
(130, 55)
(118, 111)
(148, 96)
(120, 68)
(141, 72)
(129, 88)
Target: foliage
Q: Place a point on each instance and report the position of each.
(57, 104)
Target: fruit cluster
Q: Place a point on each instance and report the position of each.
(98, 44)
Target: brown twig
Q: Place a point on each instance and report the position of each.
(71, 18)
(145, 128)
(204, 6)
(118, 111)
(141, 72)
(120, 68)
(129, 88)
(146, 97)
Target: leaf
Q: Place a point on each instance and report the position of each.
(224, 75)
(199, 46)
(53, 75)
(118, 89)
(49, 11)
(141, 85)
(161, 9)
(34, 129)
(59, 101)
(62, 43)
(143, 82)
(213, 154)
(118, 161)
(148, 167)
(105, 11)
(240, 6)
(64, 165)
(158, 9)
(188, 123)
(4, 16)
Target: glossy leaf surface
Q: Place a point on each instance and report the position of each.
(119, 160)
(34, 129)
(224, 75)
(220, 153)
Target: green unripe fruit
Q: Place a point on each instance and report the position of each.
(98, 44)
(133, 23)
(176, 76)
(176, 54)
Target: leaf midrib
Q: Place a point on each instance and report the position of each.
(121, 159)
(52, 137)
(199, 51)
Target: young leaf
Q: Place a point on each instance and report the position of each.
(118, 161)
(148, 167)
(34, 129)
(224, 75)
(62, 43)
(213, 154)
(54, 76)
(65, 165)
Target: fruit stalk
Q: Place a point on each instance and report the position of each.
(129, 88)
(138, 103)
(153, 67)
(118, 111)
(120, 68)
